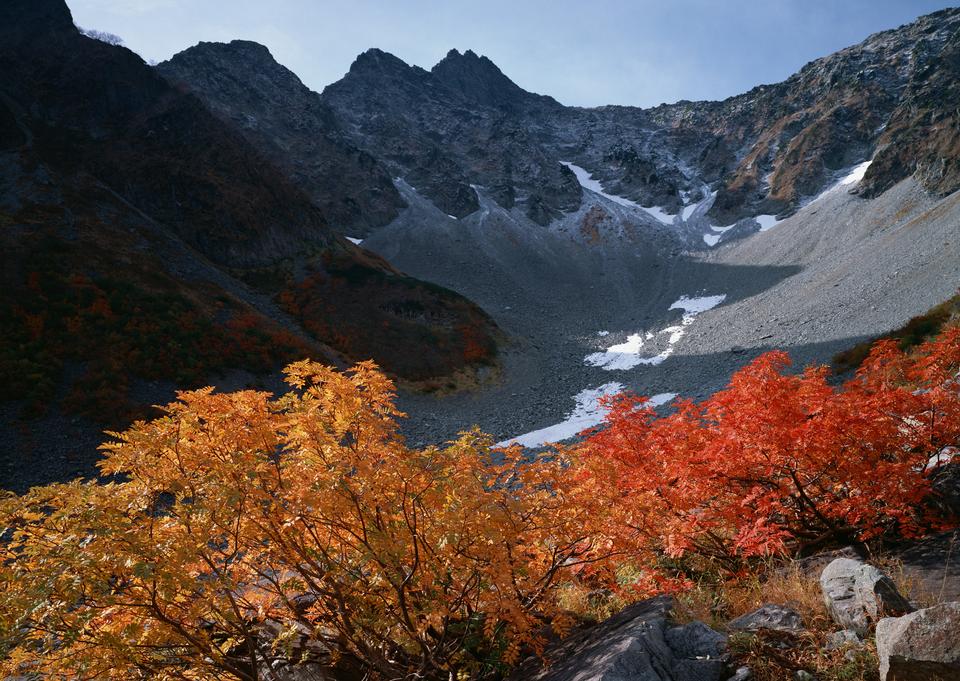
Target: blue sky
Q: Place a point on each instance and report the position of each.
(586, 53)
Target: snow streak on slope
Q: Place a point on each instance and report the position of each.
(588, 413)
(587, 182)
(627, 355)
(849, 178)
(766, 222)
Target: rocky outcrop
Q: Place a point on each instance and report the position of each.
(638, 643)
(857, 595)
(462, 123)
(921, 646)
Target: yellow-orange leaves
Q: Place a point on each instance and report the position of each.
(243, 523)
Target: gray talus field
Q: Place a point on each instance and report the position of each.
(840, 270)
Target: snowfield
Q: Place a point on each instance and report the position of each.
(848, 178)
(767, 222)
(588, 413)
(627, 355)
(587, 182)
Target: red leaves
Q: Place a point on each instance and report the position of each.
(779, 460)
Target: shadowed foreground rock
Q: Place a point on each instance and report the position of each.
(639, 643)
(858, 594)
(770, 616)
(921, 646)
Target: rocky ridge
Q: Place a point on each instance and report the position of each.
(891, 99)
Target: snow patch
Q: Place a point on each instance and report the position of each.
(850, 177)
(587, 182)
(587, 414)
(603, 333)
(621, 356)
(688, 211)
(855, 175)
(355, 240)
(626, 355)
(767, 221)
(660, 214)
(694, 306)
(711, 239)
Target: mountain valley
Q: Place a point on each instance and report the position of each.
(813, 214)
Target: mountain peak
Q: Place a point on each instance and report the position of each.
(477, 78)
(376, 60)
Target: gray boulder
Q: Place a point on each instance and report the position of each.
(769, 616)
(858, 595)
(921, 646)
(637, 644)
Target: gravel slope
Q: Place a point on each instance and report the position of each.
(840, 270)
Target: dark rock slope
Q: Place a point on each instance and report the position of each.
(144, 243)
(242, 83)
(461, 123)
(892, 98)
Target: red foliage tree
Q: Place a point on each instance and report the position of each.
(785, 461)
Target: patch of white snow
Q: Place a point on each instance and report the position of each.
(856, 174)
(767, 221)
(626, 355)
(354, 240)
(694, 306)
(587, 414)
(850, 177)
(587, 182)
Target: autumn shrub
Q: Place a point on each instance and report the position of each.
(782, 462)
(244, 524)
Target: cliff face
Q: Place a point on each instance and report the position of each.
(460, 124)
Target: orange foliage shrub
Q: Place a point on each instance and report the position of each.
(241, 514)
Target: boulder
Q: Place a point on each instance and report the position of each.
(857, 595)
(921, 646)
(769, 616)
(932, 566)
(637, 644)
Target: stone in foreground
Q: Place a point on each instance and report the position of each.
(638, 644)
(771, 617)
(857, 595)
(921, 646)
